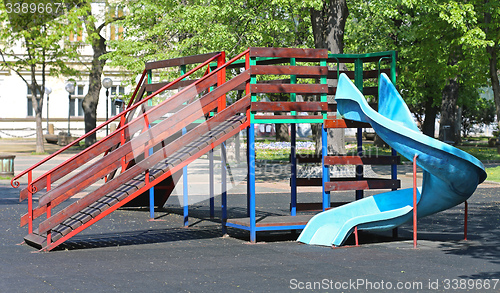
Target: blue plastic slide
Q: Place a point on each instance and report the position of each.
(450, 176)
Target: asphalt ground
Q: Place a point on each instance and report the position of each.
(128, 252)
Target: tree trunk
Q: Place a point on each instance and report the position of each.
(37, 105)
(450, 112)
(429, 125)
(495, 85)
(328, 30)
(90, 101)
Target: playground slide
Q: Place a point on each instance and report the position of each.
(450, 176)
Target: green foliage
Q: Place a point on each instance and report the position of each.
(156, 30)
(426, 34)
(477, 113)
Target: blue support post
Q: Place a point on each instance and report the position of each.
(151, 195)
(150, 152)
(293, 145)
(293, 170)
(251, 182)
(326, 169)
(248, 167)
(212, 183)
(185, 191)
(223, 187)
(359, 168)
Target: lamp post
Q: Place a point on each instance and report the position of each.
(70, 88)
(48, 90)
(107, 83)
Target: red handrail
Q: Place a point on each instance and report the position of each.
(14, 183)
(31, 187)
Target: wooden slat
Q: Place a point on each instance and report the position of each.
(288, 53)
(378, 183)
(345, 123)
(289, 70)
(370, 91)
(289, 117)
(362, 184)
(153, 87)
(180, 61)
(365, 160)
(289, 106)
(289, 88)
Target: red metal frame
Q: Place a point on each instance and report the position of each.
(46, 206)
(148, 185)
(31, 189)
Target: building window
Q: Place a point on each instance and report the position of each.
(76, 101)
(117, 92)
(77, 35)
(30, 112)
(115, 31)
(30, 107)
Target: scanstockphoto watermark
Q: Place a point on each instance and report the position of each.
(428, 285)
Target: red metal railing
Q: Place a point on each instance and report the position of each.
(15, 183)
(220, 71)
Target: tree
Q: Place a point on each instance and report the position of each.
(439, 48)
(43, 52)
(328, 24)
(94, 29)
(170, 30)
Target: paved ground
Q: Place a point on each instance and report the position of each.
(126, 252)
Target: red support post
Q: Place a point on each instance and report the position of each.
(30, 203)
(356, 239)
(49, 233)
(465, 219)
(415, 201)
(221, 78)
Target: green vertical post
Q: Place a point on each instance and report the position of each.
(150, 81)
(393, 67)
(253, 80)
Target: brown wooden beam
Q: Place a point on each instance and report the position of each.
(289, 106)
(180, 61)
(289, 70)
(290, 88)
(288, 52)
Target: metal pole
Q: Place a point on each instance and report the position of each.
(465, 219)
(47, 114)
(107, 102)
(69, 112)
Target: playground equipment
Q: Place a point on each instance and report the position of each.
(450, 176)
(142, 160)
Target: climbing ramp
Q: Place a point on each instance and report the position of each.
(145, 151)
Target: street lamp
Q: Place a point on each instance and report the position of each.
(107, 83)
(48, 90)
(70, 88)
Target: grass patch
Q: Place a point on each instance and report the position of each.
(6, 178)
(35, 153)
(493, 174)
(482, 153)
